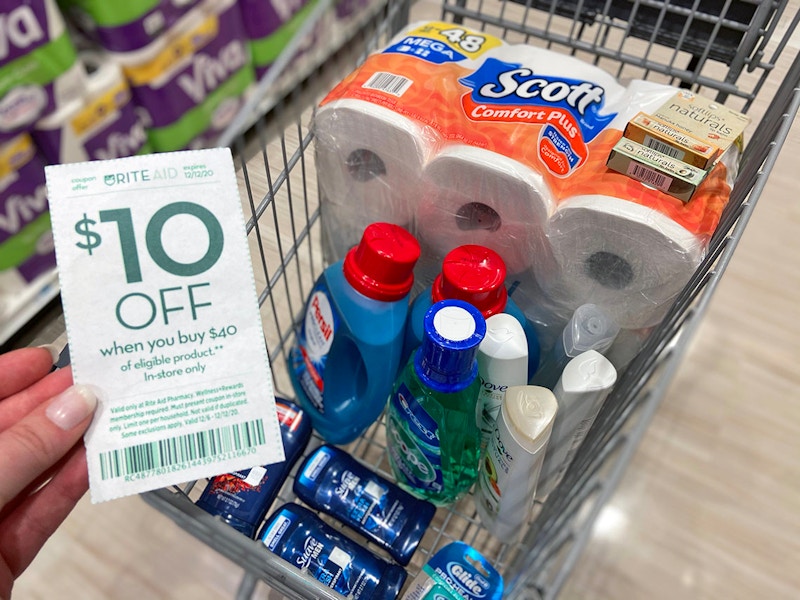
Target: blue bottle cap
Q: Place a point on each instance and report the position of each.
(446, 359)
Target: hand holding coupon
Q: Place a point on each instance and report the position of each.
(161, 313)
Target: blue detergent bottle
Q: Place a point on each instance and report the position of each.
(347, 351)
(474, 274)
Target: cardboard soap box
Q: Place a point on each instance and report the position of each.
(659, 135)
(655, 169)
(704, 120)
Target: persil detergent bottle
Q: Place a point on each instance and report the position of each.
(347, 352)
(432, 433)
(474, 274)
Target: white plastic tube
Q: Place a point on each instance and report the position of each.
(581, 391)
(510, 467)
(502, 363)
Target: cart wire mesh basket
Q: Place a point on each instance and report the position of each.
(732, 51)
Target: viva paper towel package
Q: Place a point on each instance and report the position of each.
(190, 82)
(101, 125)
(621, 244)
(124, 26)
(39, 71)
(270, 25)
(26, 242)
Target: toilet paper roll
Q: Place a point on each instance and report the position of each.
(621, 244)
(190, 83)
(101, 125)
(473, 196)
(369, 162)
(39, 71)
(630, 259)
(26, 241)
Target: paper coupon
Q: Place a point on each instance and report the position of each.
(162, 316)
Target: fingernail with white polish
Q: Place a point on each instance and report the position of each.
(72, 406)
(55, 353)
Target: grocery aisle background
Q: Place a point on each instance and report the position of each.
(707, 509)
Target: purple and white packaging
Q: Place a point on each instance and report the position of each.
(26, 242)
(263, 17)
(39, 70)
(101, 125)
(271, 24)
(345, 9)
(190, 82)
(143, 23)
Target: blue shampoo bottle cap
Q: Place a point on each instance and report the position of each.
(446, 360)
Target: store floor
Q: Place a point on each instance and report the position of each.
(708, 508)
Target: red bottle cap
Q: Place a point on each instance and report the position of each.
(475, 274)
(381, 266)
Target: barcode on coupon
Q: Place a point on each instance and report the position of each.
(396, 85)
(181, 449)
(660, 146)
(649, 176)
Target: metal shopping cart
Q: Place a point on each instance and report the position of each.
(735, 51)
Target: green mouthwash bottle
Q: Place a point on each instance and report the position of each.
(431, 425)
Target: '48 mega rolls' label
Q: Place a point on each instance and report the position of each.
(439, 43)
(414, 442)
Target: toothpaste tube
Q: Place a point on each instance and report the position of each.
(242, 498)
(456, 572)
(299, 537)
(332, 481)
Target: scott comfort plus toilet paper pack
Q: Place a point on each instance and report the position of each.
(624, 245)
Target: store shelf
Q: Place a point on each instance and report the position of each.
(19, 308)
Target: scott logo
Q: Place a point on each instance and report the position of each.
(514, 93)
(522, 83)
